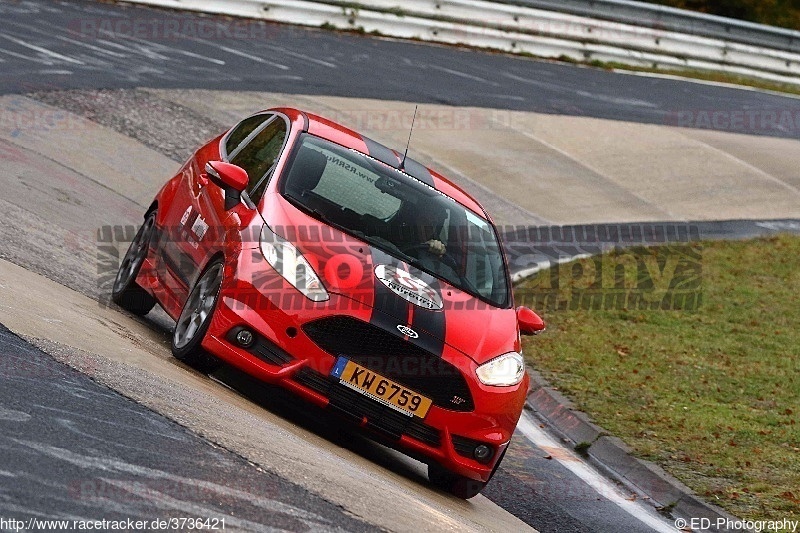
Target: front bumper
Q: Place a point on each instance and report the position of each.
(282, 353)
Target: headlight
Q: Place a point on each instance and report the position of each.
(290, 263)
(503, 371)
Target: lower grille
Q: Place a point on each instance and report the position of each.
(393, 357)
(356, 407)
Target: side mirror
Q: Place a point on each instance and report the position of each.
(232, 179)
(529, 322)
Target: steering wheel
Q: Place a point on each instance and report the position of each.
(446, 258)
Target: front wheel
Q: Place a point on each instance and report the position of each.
(126, 293)
(195, 318)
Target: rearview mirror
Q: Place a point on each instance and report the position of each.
(232, 179)
(529, 322)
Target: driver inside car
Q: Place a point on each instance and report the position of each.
(429, 226)
(429, 221)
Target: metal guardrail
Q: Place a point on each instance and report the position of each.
(516, 28)
(671, 19)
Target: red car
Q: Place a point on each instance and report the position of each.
(312, 257)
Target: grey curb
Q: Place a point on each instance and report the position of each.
(611, 454)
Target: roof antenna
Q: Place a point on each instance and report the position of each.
(403, 162)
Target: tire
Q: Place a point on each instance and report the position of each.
(126, 293)
(459, 486)
(192, 324)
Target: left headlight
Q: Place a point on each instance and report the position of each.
(290, 263)
(503, 371)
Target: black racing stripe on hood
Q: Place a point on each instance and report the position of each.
(430, 321)
(391, 310)
(381, 153)
(385, 300)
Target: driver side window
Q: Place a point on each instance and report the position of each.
(258, 154)
(241, 131)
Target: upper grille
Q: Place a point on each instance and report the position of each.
(393, 357)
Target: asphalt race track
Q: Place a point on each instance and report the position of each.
(97, 420)
(68, 265)
(134, 463)
(75, 50)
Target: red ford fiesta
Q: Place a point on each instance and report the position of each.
(312, 257)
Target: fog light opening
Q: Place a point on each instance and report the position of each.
(482, 452)
(244, 338)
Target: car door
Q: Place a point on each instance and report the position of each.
(198, 219)
(257, 154)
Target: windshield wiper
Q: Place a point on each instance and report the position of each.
(356, 233)
(306, 209)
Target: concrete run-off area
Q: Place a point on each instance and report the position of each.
(530, 168)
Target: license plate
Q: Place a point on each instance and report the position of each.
(381, 389)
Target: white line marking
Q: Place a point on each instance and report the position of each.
(141, 49)
(464, 75)
(726, 85)
(543, 265)
(56, 72)
(537, 83)
(507, 97)
(301, 56)
(167, 49)
(91, 47)
(615, 100)
(257, 59)
(26, 58)
(45, 51)
(114, 45)
(595, 480)
(198, 56)
(27, 27)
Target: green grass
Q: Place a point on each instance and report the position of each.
(785, 13)
(711, 395)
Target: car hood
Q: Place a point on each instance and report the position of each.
(400, 295)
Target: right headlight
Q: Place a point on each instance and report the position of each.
(290, 263)
(503, 371)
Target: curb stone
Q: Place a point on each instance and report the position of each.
(615, 457)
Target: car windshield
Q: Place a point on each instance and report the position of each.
(399, 214)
